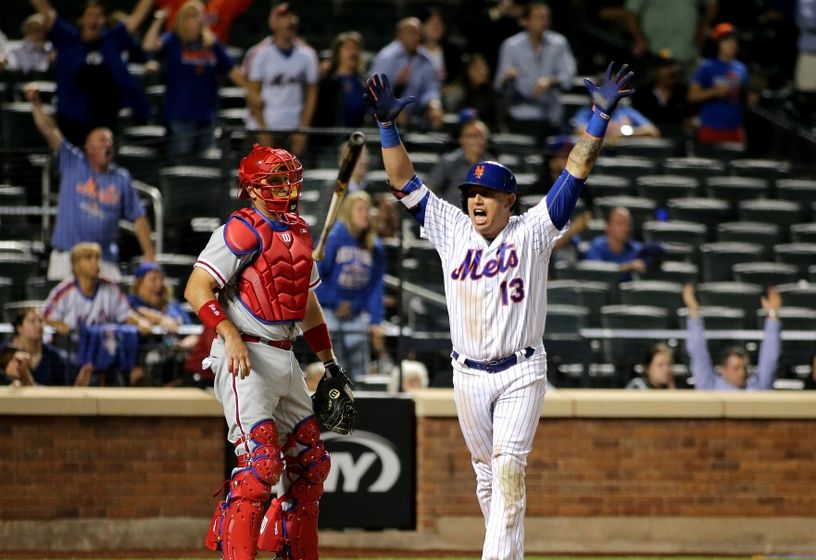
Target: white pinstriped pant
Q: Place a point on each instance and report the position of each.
(498, 414)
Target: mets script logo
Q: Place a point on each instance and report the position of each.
(357, 459)
(473, 268)
(479, 171)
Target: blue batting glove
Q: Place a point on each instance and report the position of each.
(606, 96)
(381, 98)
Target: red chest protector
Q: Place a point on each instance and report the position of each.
(275, 285)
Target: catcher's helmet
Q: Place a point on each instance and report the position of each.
(277, 174)
(489, 174)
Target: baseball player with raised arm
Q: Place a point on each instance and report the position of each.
(259, 263)
(495, 270)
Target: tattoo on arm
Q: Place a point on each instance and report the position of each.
(585, 151)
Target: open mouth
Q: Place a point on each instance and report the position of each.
(479, 216)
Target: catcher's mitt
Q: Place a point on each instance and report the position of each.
(333, 401)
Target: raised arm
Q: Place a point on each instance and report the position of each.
(397, 164)
(45, 124)
(138, 15)
(48, 12)
(771, 345)
(152, 39)
(563, 195)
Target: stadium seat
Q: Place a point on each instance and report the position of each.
(797, 190)
(798, 294)
(765, 273)
(656, 293)
(142, 162)
(674, 232)
(423, 161)
(6, 287)
(562, 340)
(432, 142)
(719, 258)
(770, 169)
(20, 268)
(794, 352)
(725, 151)
(231, 97)
(784, 213)
(17, 128)
(608, 185)
(566, 319)
(626, 352)
(175, 266)
(707, 211)
(595, 271)
(731, 294)
(510, 143)
(803, 233)
(682, 252)
(630, 167)
(144, 135)
(812, 273)
(802, 255)
(760, 233)
(590, 295)
(734, 189)
(190, 192)
(10, 309)
(650, 148)
(38, 288)
(675, 271)
(693, 167)
(662, 188)
(715, 317)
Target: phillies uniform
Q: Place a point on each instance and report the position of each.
(264, 271)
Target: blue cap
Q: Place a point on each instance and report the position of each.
(146, 267)
(492, 175)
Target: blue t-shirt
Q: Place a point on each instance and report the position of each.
(92, 74)
(52, 369)
(354, 105)
(173, 309)
(352, 273)
(191, 76)
(722, 113)
(599, 251)
(91, 204)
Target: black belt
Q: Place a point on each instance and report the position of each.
(495, 366)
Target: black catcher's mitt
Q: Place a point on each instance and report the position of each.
(333, 401)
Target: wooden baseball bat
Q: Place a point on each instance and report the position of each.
(351, 153)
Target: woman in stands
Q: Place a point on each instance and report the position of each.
(340, 91)
(657, 369)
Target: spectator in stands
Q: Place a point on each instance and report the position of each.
(446, 176)
(414, 376)
(474, 90)
(679, 27)
(351, 292)
(445, 56)
(734, 361)
(662, 100)
(194, 60)
(358, 180)
(283, 72)
(617, 245)
(657, 369)
(15, 368)
(47, 366)
(805, 78)
(34, 53)
(720, 85)
(151, 297)
(486, 25)
(413, 73)
(340, 100)
(534, 66)
(94, 194)
(626, 122)
(93, 81)
(388, 218)
(218, 15)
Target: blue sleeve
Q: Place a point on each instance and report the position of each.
(131, 204)
(595, 252)
(63, 33)
(418, 209)
(225, 63)
(701, 369)
(120, 35)
(768, 355)
(167, 43)
(562, 197)
(702, 76)
(376, 286)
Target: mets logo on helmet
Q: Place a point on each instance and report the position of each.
(479, 171)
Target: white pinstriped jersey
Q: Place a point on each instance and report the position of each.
(225, 267)
(496, 293)
(67, 304)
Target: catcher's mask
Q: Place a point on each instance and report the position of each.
(277, 174)
(490, 174)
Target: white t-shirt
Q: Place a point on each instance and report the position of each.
(283, 79)
(67, 304)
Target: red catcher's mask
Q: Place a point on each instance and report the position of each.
(277, 174)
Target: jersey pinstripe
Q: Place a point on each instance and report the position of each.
(496, 292)
(225, 267)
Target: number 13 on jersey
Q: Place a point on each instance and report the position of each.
(512, 291)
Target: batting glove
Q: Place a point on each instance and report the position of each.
(606, 96)
(381, 98)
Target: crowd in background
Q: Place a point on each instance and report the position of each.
(506, 67)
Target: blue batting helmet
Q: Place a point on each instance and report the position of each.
(492, 175)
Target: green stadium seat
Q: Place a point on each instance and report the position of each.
(735, 189)
(738, 295)
(803, 233)
(700, 168)
(719, 258)
(798, 294)
(662, 188)
(766, 235)
(599, 185)
(765, 273)
(802, 255)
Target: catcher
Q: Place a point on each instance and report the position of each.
(253, 284)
